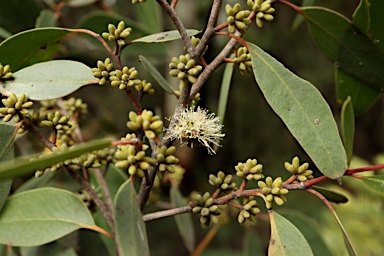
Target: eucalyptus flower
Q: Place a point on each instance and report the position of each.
(196, 126)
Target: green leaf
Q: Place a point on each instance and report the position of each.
(131, 236)
(363, 96)
(49, 214)
(299, 18)
(224, 90)
(47, 18)
(361, 17)
(156, 75)
(49, 80)
(286, 239)
(164, 36)
(330, 195)
(251, 244)
(42, 45)
(54, 248)
(346, 46)
(348, 127)
(375, 182)
(23, 166)
(311, 230)
(183, 221)
(303, 110)
(7, 136)
(4, 33)
(149, 15)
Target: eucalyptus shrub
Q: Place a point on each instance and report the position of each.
(119, 178)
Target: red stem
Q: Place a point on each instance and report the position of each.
(237, 38)
(294, 7)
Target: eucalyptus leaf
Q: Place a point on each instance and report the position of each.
(286, 239)
(31, 46)
(4, 33)
(47, 18)
(49, 80)
(156, 75)
(149, 15)
(164, 36)
(375, 182)
(303, 110)
(131, 236)
(348, 127)
(224, 90)
(24, 166)
(7, 136)
(183, 221)
(39, 216)
(330, 195)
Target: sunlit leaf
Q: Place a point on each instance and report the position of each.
(48, 214)
(375, 182)
(346, 46)
(156, 75)
(42, 45)
(348, 127)
(165, 36)
(49, 80)
(303, 110)
(24, 166)
(183, 221)
(131, 236)
(286, 239)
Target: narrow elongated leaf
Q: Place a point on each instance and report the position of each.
(330, 195)
(131, 236)
(342, 43)
(42, 45)
(363, 96)
(348, 127)
(47, 18)
(149, 15)
(224, 90)
(156, 75)
(183, 221)
(303, 110)
(375, 182)
(49, 80)
(299, 19)
(23, 166)
(39, 216)
(286, 239)
(7, 136)
(362, 17)
(164, 36)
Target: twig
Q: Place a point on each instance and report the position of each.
(105, 189)
(166, 213)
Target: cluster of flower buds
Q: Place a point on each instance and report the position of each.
(237, 19)
(249, 210)
(118, 34)
(302, 172)
(243, 59)
(166, 159)
(124, 78)
(206, 208)
(5, 72)
(152, 125)
(75, 106)
(185, 69)
(249, 170)
(273, 191)
(222, 181)
(103, 70)
(263, 10)
(145, 87)
(15, 107)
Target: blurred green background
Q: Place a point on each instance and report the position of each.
(251, 127)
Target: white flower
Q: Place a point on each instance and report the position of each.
(190, 126)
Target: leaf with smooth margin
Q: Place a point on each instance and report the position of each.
(348, 127)
(346, 46)
(362, 17)
(131, 236)
(7, 137)
(149, 15)
(183, 221)
(24, 166)
(40, 216)
(310, 228)
(156, 75)
(286, 239)
(363, 96)
(47, 18)
(31, 46)
(375, 182)
(49, 80)
(251, 244)
(299, 19)
(303, 110)
(224, 90)
(164, 36)
(330, 195)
